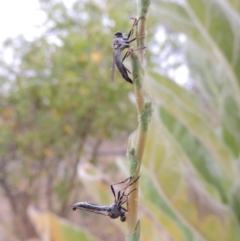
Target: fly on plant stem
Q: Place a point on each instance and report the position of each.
(119, 43)
(114, 210)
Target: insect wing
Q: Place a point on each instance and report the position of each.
(105, 213)
(113, 66)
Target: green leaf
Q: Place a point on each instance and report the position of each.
(57, 229)
(136, 235)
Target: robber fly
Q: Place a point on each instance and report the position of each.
(119, 43)
(114, 210)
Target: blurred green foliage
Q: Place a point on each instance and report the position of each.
(56, 98)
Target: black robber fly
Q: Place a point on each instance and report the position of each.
(114, 210)
(119, 43)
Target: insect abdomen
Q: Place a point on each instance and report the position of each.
(123, 71)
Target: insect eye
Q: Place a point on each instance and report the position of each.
(118, 34)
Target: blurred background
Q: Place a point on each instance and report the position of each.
(64, 127)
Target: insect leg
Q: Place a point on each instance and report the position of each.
(124, 209)
(121, 194)
(135, 23)
(129, 52)
(136, 38)
(113, 191)
(126, 195)
(134, 181)
(129, 178)
(130, 183)
(125, 188)
(125, 56)
(126, 69)
(130, 34)
(131, 31)
(139, 48)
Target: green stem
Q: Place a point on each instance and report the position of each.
(144, 111)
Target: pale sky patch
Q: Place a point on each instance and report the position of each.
(20, 17)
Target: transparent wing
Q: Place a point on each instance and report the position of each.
(105, 213)
(113, 66)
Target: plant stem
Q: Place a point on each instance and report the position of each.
(144, 111)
